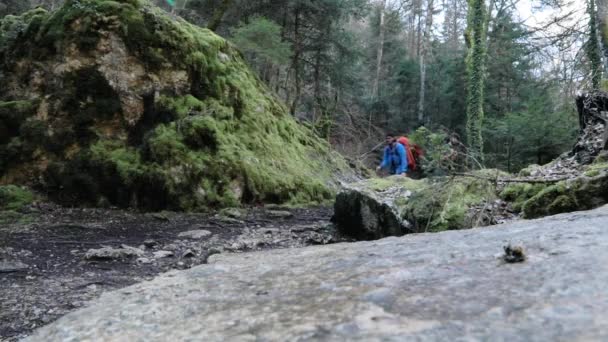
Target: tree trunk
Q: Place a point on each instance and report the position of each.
(602, 22)
(424, 54)
(380, 51)
(476, 60)
(296, 62)
(593, 46)
(218, 14)
(318, 110)
(283, 35)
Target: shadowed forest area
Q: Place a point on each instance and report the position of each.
(354, 69)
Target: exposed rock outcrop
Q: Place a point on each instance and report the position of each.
(118, 103)
(393, 206)
(451, 285)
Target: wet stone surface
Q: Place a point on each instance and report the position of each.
(54, 260)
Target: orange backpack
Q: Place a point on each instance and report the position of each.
(411, 160)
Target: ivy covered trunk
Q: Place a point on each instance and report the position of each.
(476, 59)
(593, 46)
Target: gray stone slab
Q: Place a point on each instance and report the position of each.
(421, 287)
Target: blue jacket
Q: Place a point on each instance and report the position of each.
(395, 158)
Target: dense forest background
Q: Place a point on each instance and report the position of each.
(355, 69)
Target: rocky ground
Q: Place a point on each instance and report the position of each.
(549, 285)
(54, 260)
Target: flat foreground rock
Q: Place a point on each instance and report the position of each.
(446, 286)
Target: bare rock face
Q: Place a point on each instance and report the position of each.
(452, 285)
(118, 103)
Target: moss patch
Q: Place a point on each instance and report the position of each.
(518, 193)
(596, 168)
(444, 204)
(582, 193)
(13, 197)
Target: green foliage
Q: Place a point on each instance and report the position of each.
(536, 135)
(261, 38)
(510, 69)
(435, 160)
(13, 197)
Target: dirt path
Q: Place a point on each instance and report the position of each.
(51, 262)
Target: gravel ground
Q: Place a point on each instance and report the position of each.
(54, 260)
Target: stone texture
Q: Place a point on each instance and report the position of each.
(452, 285)
(195, 234)
(109, 253)
(8, 266)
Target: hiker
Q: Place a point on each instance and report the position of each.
(395, 157)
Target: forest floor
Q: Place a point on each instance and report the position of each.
(54, 260)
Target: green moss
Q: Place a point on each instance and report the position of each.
(518, 193)
(13, 197)
(526, 172)
(582, 193)
(596, 168)
(444, 204)
(15, 28)
(551, 200)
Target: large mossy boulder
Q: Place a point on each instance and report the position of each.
(119, 103)
(394, 206)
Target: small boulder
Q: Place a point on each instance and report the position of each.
(279, 214)
(195, 234)
(7, 266)
(163, 254)
(149, 243)
(234, 213)
(144, 261)
(188, 254)
(109, 253)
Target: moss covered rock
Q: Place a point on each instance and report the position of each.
(13, 197)
(117, 102)
(396, 205)
(587, 191)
